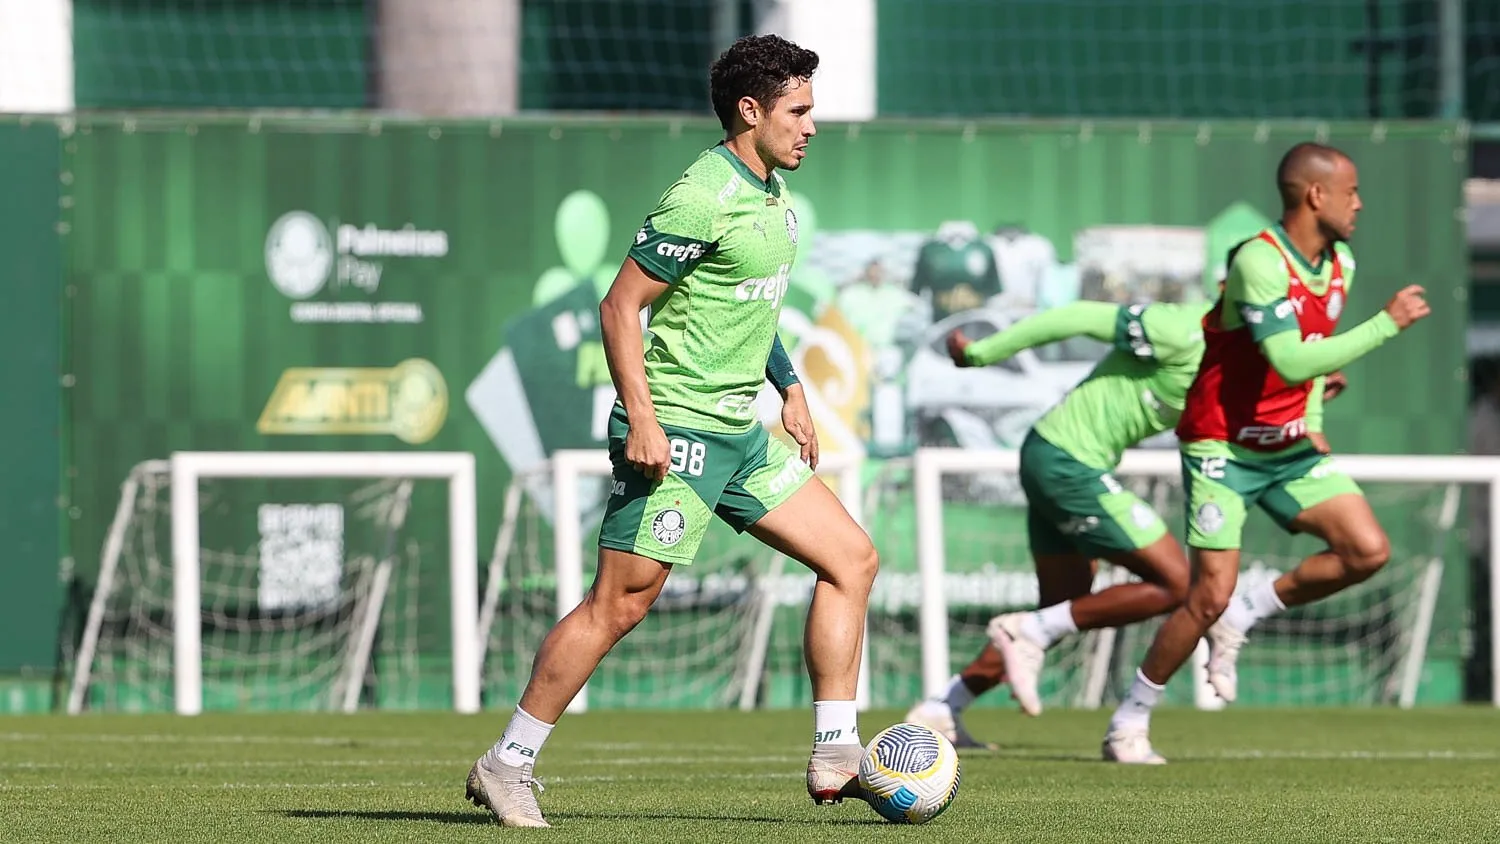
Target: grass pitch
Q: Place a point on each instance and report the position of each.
(1235, 776)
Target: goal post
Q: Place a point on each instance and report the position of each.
(567, 467)
(186, 470)
(1422, 488)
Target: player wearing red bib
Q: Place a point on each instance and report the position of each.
(1245, 440)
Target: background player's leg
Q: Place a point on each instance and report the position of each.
(1163, 568)
(1357, 549)
(813, 528)
(1119, 533)
(1214, 575)
(1330, 507)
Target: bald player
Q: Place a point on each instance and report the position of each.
(1244, 436)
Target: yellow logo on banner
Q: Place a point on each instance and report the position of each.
(408, 400)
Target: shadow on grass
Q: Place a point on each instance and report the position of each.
(482, 818)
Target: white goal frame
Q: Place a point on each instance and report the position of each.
(932, 464)
(567, 535)
(186, 468)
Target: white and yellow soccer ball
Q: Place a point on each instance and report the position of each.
(910, 773)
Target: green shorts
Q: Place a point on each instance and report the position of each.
(1224, 481)
(1072, 507)
(738, 477)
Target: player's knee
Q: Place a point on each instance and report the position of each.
(1364, 554)
(857, 567)
(1208, 599)
(866, 565)
(619, 613)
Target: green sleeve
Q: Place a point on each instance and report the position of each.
(1168, 333)
(779, 366)
(679, 234)
(1296, 361)
(1094, 319)
(1314, 413)
(1256, 291)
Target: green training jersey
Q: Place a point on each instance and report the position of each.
(1137, 391)
(724, 240)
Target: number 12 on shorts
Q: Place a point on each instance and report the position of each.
(687, 458)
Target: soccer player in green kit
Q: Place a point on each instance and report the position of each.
(712, 263)
(1077, 512)
(1244, 434)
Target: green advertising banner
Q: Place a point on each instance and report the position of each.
(259, 284)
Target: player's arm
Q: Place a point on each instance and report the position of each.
(796, 418)
(669, 246)
(620, 323)
(1092, 319)
(1257, 289)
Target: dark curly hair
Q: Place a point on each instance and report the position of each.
(756, 66)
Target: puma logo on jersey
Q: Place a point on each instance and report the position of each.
(1272, 434)
(764, 289)
(738, 405)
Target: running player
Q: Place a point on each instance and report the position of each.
(1244, 434)
(1077, 511)
(712, 263)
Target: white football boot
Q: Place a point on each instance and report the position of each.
(1130, 746)
(938, 715)
(506, 793)
(833, 773)
(1224, 643)
(1023, 660)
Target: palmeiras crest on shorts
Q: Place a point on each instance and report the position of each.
(791, 226)
(1335, 305)
(1142, 515)
(668, 527)
(1209, 517)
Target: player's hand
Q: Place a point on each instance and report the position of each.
(1407, 306)
(1320, 442)
(1333, 384)
(647, 450)
(797, 420)
(957, 343)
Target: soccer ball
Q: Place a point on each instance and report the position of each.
(910, 773)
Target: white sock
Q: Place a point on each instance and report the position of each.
(1048, 624)
(1252, 605)
(1135, 709)
(958, 697)
(835, 722)
(523, 740)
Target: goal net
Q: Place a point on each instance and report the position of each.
(285, 581)
(726, 631)
(1367, 645)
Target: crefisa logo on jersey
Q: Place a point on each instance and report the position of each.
(304, 258)
(668, 527)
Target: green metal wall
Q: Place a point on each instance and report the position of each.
(30, 427)
(179, 336)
